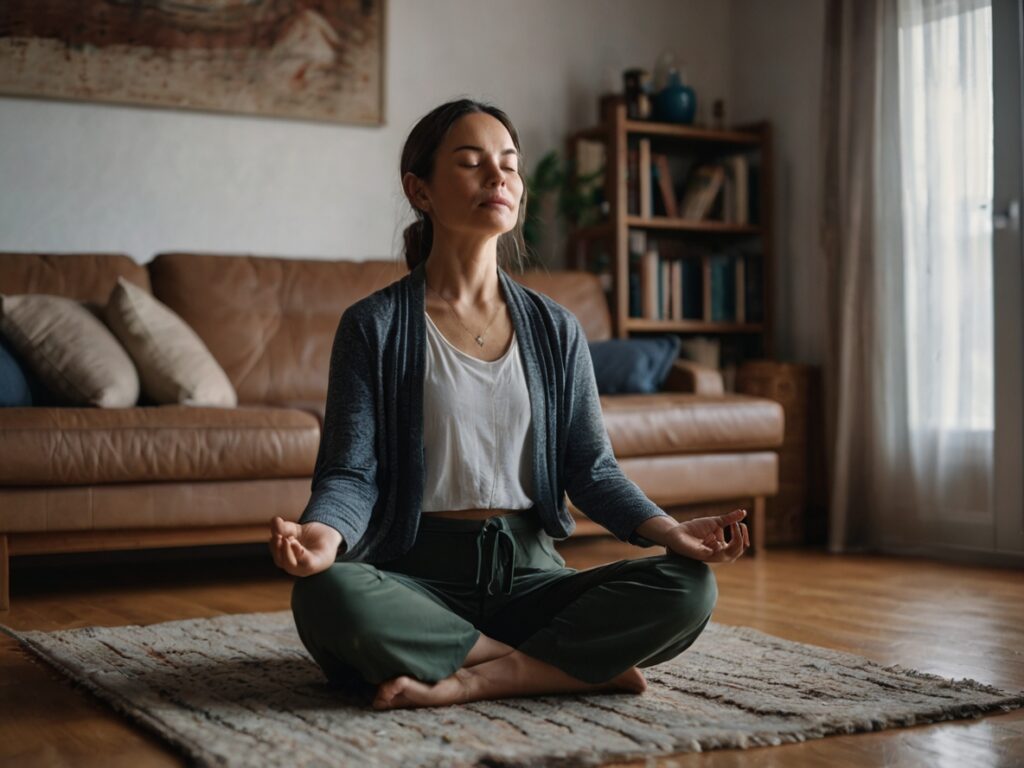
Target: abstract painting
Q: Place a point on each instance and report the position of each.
(308, 59)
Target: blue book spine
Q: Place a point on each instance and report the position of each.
(723, 289)
(692, 293)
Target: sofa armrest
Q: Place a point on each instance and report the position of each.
(688, 376)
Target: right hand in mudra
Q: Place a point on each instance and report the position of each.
(303, 550)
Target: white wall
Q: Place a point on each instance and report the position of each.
(776, 75)
(78, 176)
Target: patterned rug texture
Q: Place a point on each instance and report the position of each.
(242, 691)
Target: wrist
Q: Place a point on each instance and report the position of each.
(659, 529)
(331, 536)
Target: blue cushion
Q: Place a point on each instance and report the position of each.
(635, 366)
(14, 381)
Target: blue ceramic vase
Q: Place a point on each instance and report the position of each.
(675, 103)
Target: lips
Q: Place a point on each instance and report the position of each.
(498, 201)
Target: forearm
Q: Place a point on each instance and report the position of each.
(660, 529)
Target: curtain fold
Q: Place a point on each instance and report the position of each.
(906, 239)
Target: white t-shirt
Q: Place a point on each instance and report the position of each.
(476, 429)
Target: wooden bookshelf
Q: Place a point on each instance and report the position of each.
(722, 232)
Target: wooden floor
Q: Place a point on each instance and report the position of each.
(951, 620)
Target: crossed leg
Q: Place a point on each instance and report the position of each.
(494, 670)
(569, 634)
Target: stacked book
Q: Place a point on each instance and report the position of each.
(720, 190)
(666, 283)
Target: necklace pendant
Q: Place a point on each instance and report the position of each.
(480, 340)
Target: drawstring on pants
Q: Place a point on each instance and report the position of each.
(496, 536)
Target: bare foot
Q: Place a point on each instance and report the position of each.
(405, 691)
(631, 680)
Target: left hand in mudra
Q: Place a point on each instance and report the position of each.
(701, 539)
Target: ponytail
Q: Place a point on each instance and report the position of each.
(419, 237)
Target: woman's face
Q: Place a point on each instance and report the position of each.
(476, 185)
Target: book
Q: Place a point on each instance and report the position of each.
(735, 203)
(723, 288)
(701, 191)
(754, 289)
(693, 289)
(727, 209)
(665, 186)
(644, 175)
(665, 310)
(677, 289)
(649, 278)
(637, 240)
(741, 288)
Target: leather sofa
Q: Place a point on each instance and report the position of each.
(90, 479)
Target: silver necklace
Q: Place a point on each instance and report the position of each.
(479, 338)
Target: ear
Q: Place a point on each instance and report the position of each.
(415, 191)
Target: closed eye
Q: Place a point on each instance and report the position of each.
(477, 165)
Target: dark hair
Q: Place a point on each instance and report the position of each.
(418, 157)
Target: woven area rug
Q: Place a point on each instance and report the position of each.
(242, 691)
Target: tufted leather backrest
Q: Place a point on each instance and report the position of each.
(269, 322)
(578, 291)
(86, 277)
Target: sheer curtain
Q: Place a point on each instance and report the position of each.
(912, 367)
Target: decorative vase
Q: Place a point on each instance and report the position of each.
(675, 103)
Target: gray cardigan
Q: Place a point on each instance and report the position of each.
(369, 474)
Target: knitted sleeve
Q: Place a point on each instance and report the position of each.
(593, 479)
(344, 488)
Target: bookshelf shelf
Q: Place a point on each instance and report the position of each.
(691, 225)
(692, 326)
(687, 246)
(644, 128)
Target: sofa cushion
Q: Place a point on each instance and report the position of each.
(667, 423)
(82, 446)
(70, 350)
(15, 391)
(632, 366)
(173, 363)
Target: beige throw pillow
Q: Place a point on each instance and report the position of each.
(174, 364)
(70, 350)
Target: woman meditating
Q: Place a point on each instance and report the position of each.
(461, 408)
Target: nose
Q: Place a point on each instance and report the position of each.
(497, 174)
(496, 177)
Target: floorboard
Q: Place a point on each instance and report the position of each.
(951, 620)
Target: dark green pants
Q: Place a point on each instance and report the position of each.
(420, 615)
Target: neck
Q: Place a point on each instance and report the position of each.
(467, 278)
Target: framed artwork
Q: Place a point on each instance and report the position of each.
(308, 59)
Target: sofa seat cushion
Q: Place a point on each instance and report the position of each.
(88, 446)
(667, 423)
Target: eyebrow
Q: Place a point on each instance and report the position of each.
(481, 149)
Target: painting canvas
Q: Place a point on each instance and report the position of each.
(307, 59)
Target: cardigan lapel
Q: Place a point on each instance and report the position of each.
(527, 327)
